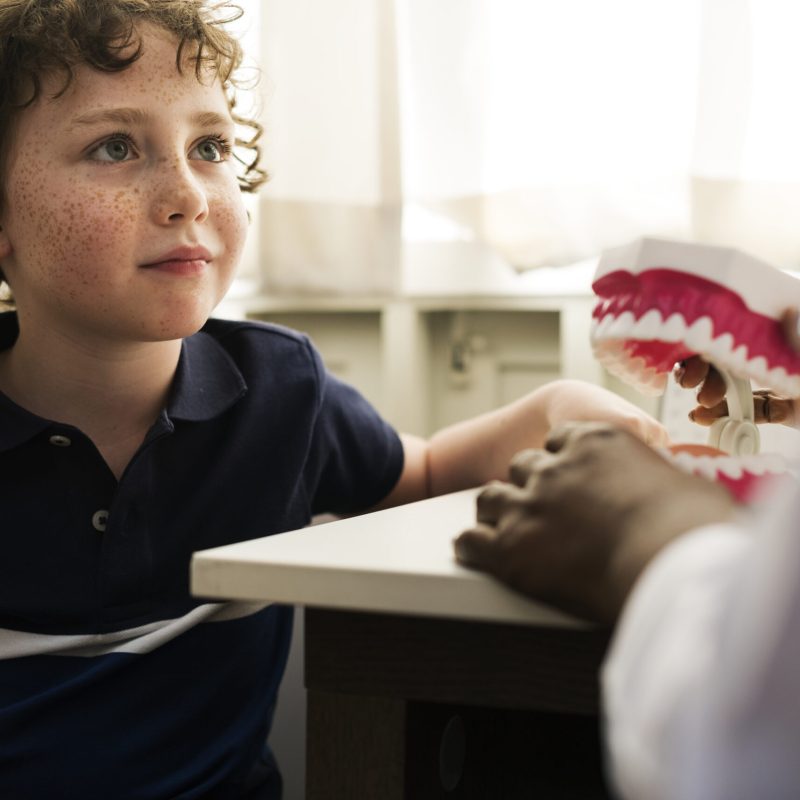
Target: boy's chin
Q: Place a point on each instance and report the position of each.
(179, 329)
(176, 324)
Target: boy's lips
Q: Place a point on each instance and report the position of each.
(181, 261)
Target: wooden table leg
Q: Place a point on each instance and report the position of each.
(404, 708)
(356, 747)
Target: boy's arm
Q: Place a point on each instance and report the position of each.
(479, 450)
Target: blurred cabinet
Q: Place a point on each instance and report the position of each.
(425, 362)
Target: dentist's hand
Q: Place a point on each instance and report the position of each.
(581, 519)
(769, 406)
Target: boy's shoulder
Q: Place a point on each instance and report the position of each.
(264, 334)
(250, 342)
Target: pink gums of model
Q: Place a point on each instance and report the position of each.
(662, 301)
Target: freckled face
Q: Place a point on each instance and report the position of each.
(124, 219)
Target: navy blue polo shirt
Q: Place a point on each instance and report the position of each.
(114, 681)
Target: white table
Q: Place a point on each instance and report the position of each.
(399, 560)
(401, 641)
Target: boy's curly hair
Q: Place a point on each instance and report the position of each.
(43, 37)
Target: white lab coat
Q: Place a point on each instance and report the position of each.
(702, 682)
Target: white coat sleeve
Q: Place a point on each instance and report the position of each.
(701, 686)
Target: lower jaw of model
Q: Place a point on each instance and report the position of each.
(661, 302)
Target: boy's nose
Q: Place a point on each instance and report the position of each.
(179, 196)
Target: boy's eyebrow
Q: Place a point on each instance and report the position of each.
(136, 116)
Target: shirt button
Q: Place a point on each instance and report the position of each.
(60, 441)
(100, 520)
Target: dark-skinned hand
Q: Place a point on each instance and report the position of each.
(580, 520)
(769, 406)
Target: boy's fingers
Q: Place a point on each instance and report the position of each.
(477, 547)
(653, 434)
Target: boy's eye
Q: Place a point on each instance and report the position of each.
(119, 148)
(215, 148)
(113, 150)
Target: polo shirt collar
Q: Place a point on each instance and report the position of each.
(18, 425)
(207, 382)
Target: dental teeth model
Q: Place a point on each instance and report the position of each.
(663, 301)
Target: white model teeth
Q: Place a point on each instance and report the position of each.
(737, 362)
(612, 355)
(610, 333)
(647, 326)
(722, 346)
(674, 329)
(599, 327)
(780, 374)
(732, 467)
(621, 325)
(700, 335)
(758, 369)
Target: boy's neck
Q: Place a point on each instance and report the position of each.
(109, 390)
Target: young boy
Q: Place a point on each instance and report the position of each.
(134, 431)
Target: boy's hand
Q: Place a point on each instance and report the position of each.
(581, 519)
(576, 401)
(768, 406)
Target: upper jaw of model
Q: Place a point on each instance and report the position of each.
(662, 301)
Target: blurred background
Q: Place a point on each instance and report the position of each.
(546, 131)
(445, 174)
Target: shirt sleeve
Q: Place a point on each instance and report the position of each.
(355, 457)
(700, 687)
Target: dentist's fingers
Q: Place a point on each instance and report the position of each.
(478, 547)
(713, 389)
(573, 433)
(691, 372)
(768, 407)
(525, 464)
(496, 499)
(790, 322)
(694, 371)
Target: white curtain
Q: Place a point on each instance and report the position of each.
(331, 218)
(529, 132)
(745, 173)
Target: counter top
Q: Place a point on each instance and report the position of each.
(399, 560)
